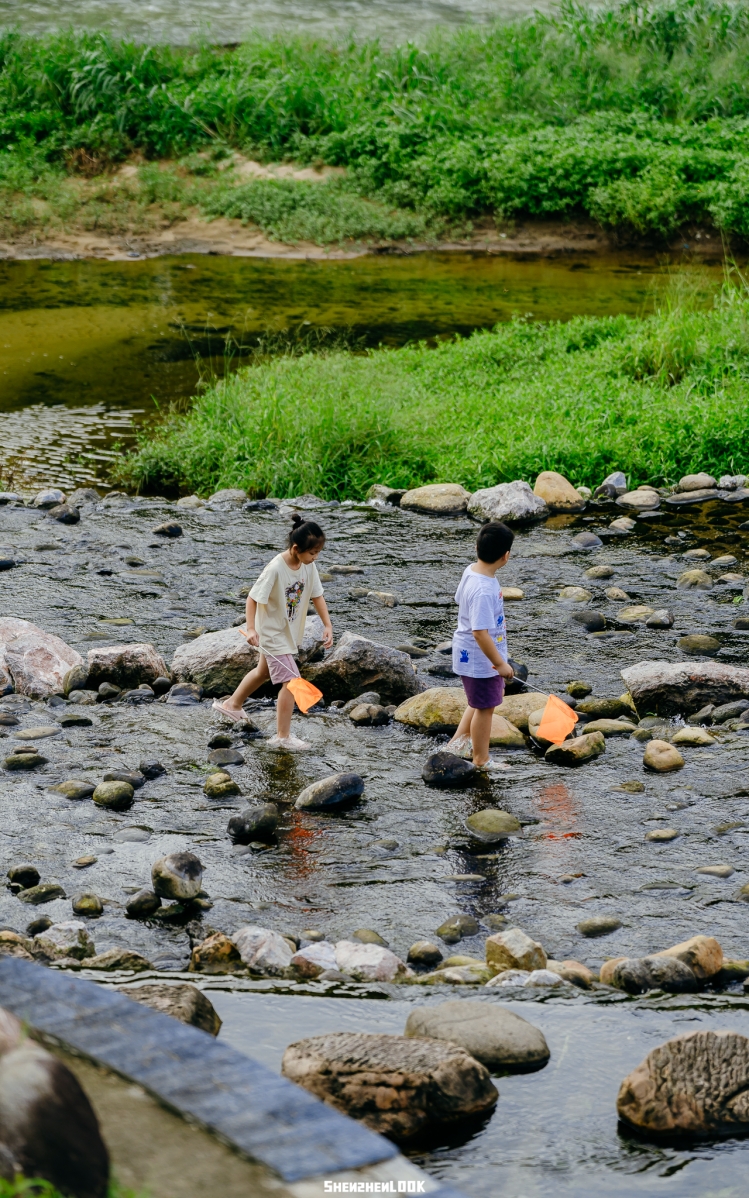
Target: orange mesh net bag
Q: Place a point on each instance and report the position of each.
(557, 721)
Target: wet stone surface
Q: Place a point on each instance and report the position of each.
(583, 852)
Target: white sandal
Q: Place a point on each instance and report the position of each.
(230, 715)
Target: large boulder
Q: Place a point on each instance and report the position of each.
(217, 661)
(439, 709)
(357, 664)
(517, 708)
(697, 1084)
(669, 688)
(124, 665)
(437, 499)
(35, 660)
(494, 1035)
(513, 503)
(558, 493)
(396, 1085)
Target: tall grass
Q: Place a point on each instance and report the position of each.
(656, 397)
(635, 114)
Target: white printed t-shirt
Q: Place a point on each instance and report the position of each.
(282, 596)
(480, 606)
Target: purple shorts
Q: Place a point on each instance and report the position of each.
(484, 692)
(281, 667)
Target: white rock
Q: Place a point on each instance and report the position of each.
(49, 498)
(368, 962)
(217, 661)
(667, 688)
(623, 524)
(616, 479)
(510, 502)
(314, 959)
(643, 500)
(124, 665)
(229, 497)
(696, 482)
(36, 660)
(66, 939)
(189, 501)
(510, 977)
(262, 950)
(731, 482)
(543, 977)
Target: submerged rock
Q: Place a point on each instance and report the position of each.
(357, 664)
(183, 1002)
(697, 1084)
(492, 1034)
(215, 661)
(669, 688)
(436, 499)
(446, 770)
(397, 1086)
(330, 792)
(492, 825)
(512, 503)
(456, 927)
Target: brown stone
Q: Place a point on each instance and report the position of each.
(577, 751)
(606, 973)
(557, 492)
(185, 1002)
(697, 1084)
(702, 954)
(514, 949)
(662, 757)
(437, 499)
(216, 954)
(395, 1085)
(124, 665)
(517, 708)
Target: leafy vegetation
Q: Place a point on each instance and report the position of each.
(657, 397)
(26, 1187)
(636, 115)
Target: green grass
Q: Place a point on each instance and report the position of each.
(636, 115)
(24, 1187)
(657, 397)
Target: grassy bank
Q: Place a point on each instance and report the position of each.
(657, 397)
(636, 116)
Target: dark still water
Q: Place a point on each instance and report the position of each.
(89, 350)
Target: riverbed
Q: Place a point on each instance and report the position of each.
(400, 862)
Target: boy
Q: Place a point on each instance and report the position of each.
(480, 643)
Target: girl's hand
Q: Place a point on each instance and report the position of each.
(327, 636)
(251, 637)
(505, 671)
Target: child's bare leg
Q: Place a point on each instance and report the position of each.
(284, 711)
(481, 728)
(248, 685)
(464, 727)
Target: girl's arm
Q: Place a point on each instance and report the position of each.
(321, 608)
(487, 646)
(250, 635)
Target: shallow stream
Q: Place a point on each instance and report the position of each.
(582, 852)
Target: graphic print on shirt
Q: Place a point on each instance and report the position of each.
(464, 655)
(293, 598)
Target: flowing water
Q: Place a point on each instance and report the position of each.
(89, 351)
(400, 861)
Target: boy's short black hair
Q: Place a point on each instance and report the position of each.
(494, 541)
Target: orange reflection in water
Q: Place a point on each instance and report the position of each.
(559, 811)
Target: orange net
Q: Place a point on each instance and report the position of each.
(557, 721)
(305, 694)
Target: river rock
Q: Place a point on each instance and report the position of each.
(436, 499)
(67, 939)
(423, 954)
(312, 647)
(692, 580)
(661, 835)
(124, 665)
(220, 786)
(699, 643)
(395, 1085)
(330, 792)
(608, 728)
(662, 757)
(184, 1002)
(24, 875)
(64, 513)
(661, 618)
(24, 759)
(696, 1084)
(45, 892)
(36, 660)
(385, 494)
(228, 497)
(226, 757)
(702, 954)
(177, 876)
(513, 949)
(439, 709)
(574, 595)
(263, 951)
(587, 541)
(456, 927)
(557, 492)
(117, 796)
(577, 751)
(505, 735)
(119, 959)
(170, 528)
(716, 871)
(368, 962)
(369, 715)
(670, 688)
(184, 694)
(87, 904)
(693, 737)
(599, 925)
(512, 503)
(638, 975)
(638, 613)
(314, 959)
(216, 954)
(492, 1034)
(592, 621)
(357, 664)
(255, 823)
(215, 661)
(446, 770)
(730, 711)
(48, 498)
(143, 904)
(696, 482)
(517, 708)
(492, 825)
(642, 501)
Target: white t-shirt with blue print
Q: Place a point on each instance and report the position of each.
(480, 606)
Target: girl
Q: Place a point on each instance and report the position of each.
(276, 615)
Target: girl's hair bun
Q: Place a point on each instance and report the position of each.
(296, 520)
(305, 534)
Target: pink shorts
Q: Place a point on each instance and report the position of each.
(282, 667)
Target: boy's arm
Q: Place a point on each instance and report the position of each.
(250, 635)
(488, 647)
(321, 608)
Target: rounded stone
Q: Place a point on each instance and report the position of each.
(226, 757)
(330, 792)
(423, 954)
(662, 757)
(574, 595)
(492, 1034)
(369, 936)
(638, 613)
(133, 777)
(150, 768)
(45, 892)
(24, 876)
(715, 871)
(638, 975)
(24, 761)
(599, 925)
(599, 572)
(592, 621)
(492, 825)
(692, 580)
(255, 823)
(558, 492)
(170, 528)
(699, 643)
(587, 541)
(88, 904)
(456, 927)
(578, 751)
(220, 786)
(177, 876)
(661, 835)
(694, 737)
(445, 770)
(142, 904)
(437, 499)
(643, 500)
(579, 689)
(116, 796)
